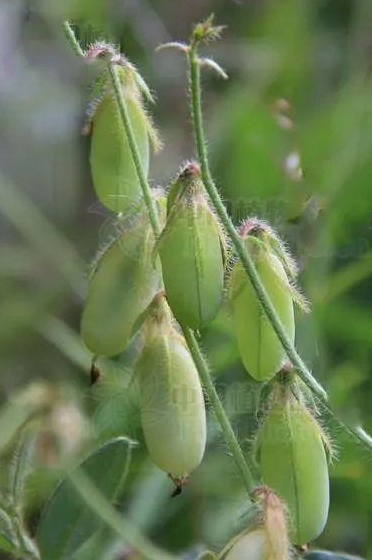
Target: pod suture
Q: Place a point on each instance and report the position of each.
(114, 175)
(260, 349)
(190, 252)
(294, 464)
(171, 397)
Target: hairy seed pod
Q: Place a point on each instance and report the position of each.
(114, 174)
(190, 252)
(171, 398)
(260, 349)
(294, 465)
(122, 286)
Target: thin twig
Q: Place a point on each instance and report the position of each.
(71, 38)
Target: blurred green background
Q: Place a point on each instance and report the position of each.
(290, 137)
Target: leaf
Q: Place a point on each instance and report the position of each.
(26, 403)
(20, 467)
(67, 521)
(6, 544)
(7, 539)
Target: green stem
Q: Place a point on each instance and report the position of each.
(73, 42)
(145, 187)
(263, 297)
(218, 408)
(200, 363)
(354, 432)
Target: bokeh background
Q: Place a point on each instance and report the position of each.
(290, 138)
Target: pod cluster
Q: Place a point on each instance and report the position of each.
(126, 285)
(140, 282)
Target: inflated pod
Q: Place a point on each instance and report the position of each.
(114, 175)
(191, 253)
(294, 464)
(171, 399)
(123, 284)
(260, 349)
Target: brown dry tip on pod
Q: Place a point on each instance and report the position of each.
(267, 538)
(294, 464)
(171, 398)
(191, 252)
(259, 346)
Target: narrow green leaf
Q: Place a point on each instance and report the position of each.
(67, 521)
(16, 412)
(7, 538)
(20, 467)
(6, 544)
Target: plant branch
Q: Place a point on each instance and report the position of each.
(145, 187)
(218, 408)
(73, 42)
(195, 351)
(201, 148)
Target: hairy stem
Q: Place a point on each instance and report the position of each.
(201, 148)
(70, 36)
(218, 409)
(195, 351)
(145, 187)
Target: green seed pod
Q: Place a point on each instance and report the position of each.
(114, 174)
(171, 398)
(260, 349)
(190, 252)
(123, 284)
(294, 465)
